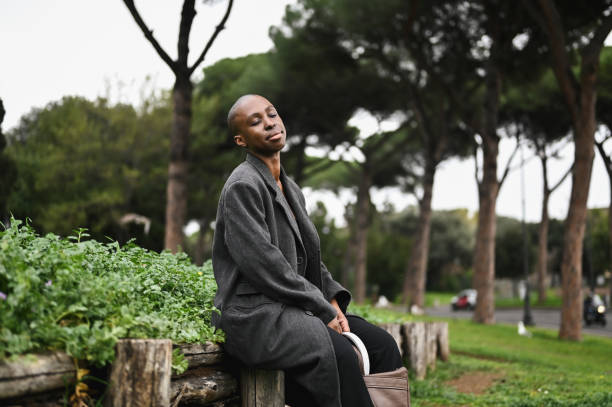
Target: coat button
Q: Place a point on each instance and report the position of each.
(309, 313)
(300, 260)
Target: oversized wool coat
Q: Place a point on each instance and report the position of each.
(273, 289)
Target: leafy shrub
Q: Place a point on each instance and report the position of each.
(81, 296)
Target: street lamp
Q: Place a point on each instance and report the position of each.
(527, 318)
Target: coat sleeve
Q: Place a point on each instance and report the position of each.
(262, 264)
(333, 289)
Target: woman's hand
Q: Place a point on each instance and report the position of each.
(335, 325)
(340, 317)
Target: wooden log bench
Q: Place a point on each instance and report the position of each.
(141, 374)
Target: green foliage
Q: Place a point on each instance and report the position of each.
(596, 256)
(509, 248)
(81, 296)
(8, 169)
(84, 163)
(333, 240)
(386, 255)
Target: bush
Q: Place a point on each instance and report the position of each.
(81, 296)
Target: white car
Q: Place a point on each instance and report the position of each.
(466, 299)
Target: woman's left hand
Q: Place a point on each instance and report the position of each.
(341, 317)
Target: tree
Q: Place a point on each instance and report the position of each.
(178, 169)
(64, 149)
(379, 166)
(536, 109)
(476, 40)
(382, 153)
(568, 27)
(604, 104)
(8, 172)
(376, 40)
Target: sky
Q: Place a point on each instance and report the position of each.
(55, 48)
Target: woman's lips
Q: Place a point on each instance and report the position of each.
(275, 137)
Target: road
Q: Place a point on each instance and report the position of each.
(543, 318)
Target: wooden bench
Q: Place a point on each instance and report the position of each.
(141, 374)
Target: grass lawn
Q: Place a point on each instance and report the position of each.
(505, 369)
(553, 300)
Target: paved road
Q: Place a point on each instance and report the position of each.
(544, 318)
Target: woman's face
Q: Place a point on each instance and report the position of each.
(260, 128)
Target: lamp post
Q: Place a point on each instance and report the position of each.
(527, 318)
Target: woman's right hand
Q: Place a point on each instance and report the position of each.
(335, 325)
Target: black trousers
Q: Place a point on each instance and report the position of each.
(384, 356)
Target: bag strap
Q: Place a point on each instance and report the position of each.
(361, 348)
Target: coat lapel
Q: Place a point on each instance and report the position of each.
(278, 194)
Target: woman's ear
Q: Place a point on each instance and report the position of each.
(240, 140)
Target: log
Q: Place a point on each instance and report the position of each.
(31, 374)
(198, 354)
(395, 331)
(442, 339)
(140, 374)
(259, 388)
(431, 345)
(202, 386)
(414, 348)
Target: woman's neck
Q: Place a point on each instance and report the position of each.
(272, 162)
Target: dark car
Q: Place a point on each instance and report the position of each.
(594, 310)
(466, 299)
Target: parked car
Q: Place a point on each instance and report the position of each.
(466, 299)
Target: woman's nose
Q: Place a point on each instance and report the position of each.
(268, 123)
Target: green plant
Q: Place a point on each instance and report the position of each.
(81, 296)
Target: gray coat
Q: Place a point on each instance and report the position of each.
(273, 289)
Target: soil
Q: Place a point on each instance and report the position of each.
(475, 382)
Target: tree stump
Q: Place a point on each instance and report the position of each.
(260, 388)
(140, 374)
(431, 345)
(395, 331)
(442, 339)
(414, 348)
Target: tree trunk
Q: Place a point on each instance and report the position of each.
(542, 265)
(201, 247)
(610, 242)
(608, 163)
(416, 272)
(580, 97)
(571, 266)
(362, 222)
(348, 263)
(178, 171)
(484, 252)
(584, 124)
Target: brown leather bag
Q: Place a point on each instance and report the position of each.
(387, 389)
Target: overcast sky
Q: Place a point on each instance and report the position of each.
(54, 48)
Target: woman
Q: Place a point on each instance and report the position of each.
(280, 306)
